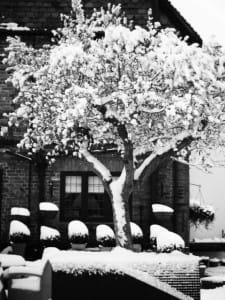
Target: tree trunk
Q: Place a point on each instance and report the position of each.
(119, 195)
(121, 221)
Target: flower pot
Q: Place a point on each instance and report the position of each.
(76, 246)
(19, 248)
(102, 248)
(137, 247)
(48, 214)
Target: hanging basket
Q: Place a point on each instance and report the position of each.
(201, 214)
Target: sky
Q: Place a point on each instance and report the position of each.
(207, 17)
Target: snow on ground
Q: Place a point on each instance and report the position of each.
(210, 294)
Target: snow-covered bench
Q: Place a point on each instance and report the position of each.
(30, 282)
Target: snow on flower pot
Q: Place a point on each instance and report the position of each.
(78, 235)
(49, 237)
(163, 213)
(137, 237)
(214, 262)
(48, 210)
(166, 241)
(105, 237)
(20, 214)
(19, 235)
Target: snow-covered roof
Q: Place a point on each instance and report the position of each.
(205, 16)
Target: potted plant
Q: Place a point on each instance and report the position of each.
(137, 236)
(49, 237)
(19, 235)
(105, 237)
(20, 214)
(166, 241)
(78, 235)
(201, 214)
(48, 210)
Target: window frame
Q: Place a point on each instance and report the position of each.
(108, 217)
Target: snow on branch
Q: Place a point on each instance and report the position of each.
(97, 165)
(160, 151)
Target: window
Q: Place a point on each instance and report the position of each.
(83, 197)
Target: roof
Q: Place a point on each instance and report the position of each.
(205, 16)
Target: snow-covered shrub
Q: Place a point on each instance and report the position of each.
(77, 232)
(18, 232)
(105, 236)
(161, 208)
(136, 233)
(48, 206)
(166, 241)
(49, 236)
(200, 213)
(20, 211)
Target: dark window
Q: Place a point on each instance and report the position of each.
(83, 197)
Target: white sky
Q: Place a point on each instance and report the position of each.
(207, 17)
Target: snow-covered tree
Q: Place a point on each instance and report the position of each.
(104, 82)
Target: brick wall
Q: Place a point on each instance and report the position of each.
(15, 192)
(46, 13)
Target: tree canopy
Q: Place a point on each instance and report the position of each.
(106, 82)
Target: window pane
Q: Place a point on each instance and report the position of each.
(95, 185)
(73, 184)
(96, 205)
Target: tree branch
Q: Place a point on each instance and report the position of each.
(154, 160)
(99, 168)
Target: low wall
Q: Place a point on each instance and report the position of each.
(105, 270)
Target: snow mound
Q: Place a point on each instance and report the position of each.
(161, 208)
(104, 231)
(50, 251)
(21, 211)
(17, 227)
(165, 239)
(136, 230)
(48, 206)
(11, 260)
(77, 262)
(77, 228)
(48, 233)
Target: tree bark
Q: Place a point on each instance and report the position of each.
(119, 198)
